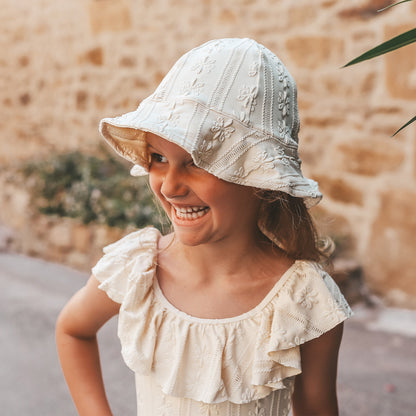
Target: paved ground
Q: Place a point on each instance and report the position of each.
(377, 374)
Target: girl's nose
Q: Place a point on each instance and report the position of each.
(173, 184)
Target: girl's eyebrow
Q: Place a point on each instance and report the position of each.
(152, 147)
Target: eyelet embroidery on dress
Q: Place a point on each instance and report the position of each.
(209, 409)
(165, 408)
(247, 395)
(258, 411)
(307, 297)
(333, 310)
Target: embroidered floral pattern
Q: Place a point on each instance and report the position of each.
(280, 335)
(253, 70)
(284, 102)
(269, 162)
(192, 87)
(283, 96)
(209, 409)
(258, 411)
(284, 131)
(248, 97)
(165, 408)
(333, 310)
(167, 120)
(280, 70)
(159, 94)
(222, 129)
(205, 64)
(264, 160)
(238, 174)
(307, 297)
(247, 395)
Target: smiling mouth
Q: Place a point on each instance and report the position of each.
(190, 213)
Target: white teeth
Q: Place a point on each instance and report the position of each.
(191, 213)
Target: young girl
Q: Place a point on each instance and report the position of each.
(231, 313)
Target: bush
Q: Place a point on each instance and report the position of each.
(94, 189)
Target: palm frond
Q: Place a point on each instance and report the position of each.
(399, 41)
(392, 5)
(405, 125)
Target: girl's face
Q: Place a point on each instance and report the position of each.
(203, 209)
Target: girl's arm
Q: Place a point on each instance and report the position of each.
(76, 330)
(315, 388)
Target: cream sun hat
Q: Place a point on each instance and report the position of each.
(232, 105)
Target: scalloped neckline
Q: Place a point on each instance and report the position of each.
(246, 315)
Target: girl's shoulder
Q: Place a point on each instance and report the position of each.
(128, 260)
(312, 295)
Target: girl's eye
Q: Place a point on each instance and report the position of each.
(156, 157)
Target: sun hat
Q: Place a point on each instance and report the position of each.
(232, 105)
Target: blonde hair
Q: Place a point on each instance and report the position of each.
(286, 221)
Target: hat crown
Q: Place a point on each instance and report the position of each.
(240, 79)
(231, 104)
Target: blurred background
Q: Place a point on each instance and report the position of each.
(67, 64)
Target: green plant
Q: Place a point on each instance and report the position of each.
(388, 46)
(92, 189)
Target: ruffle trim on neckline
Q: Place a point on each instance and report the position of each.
(236, 359)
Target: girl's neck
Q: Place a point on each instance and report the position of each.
(225, 259)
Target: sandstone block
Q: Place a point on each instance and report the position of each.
(93, 56)
(339, 190)
(390, 259)
(365, 11)
(315, 51)
(81, 100)
(60, 235)
(302, 15)
(227, 16)
(79, 261)
(401, 66)
(369, 156)
(109, 15)
(81, 237)
(336, 227)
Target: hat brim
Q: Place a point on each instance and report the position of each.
(127, 135)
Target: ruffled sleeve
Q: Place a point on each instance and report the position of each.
(126, 264)
(309, 304)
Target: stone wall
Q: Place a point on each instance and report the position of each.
(66, 64)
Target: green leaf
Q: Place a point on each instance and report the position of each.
(405, 125)
(388, 46)
(392, 5)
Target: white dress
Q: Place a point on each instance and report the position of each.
(188, 366)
